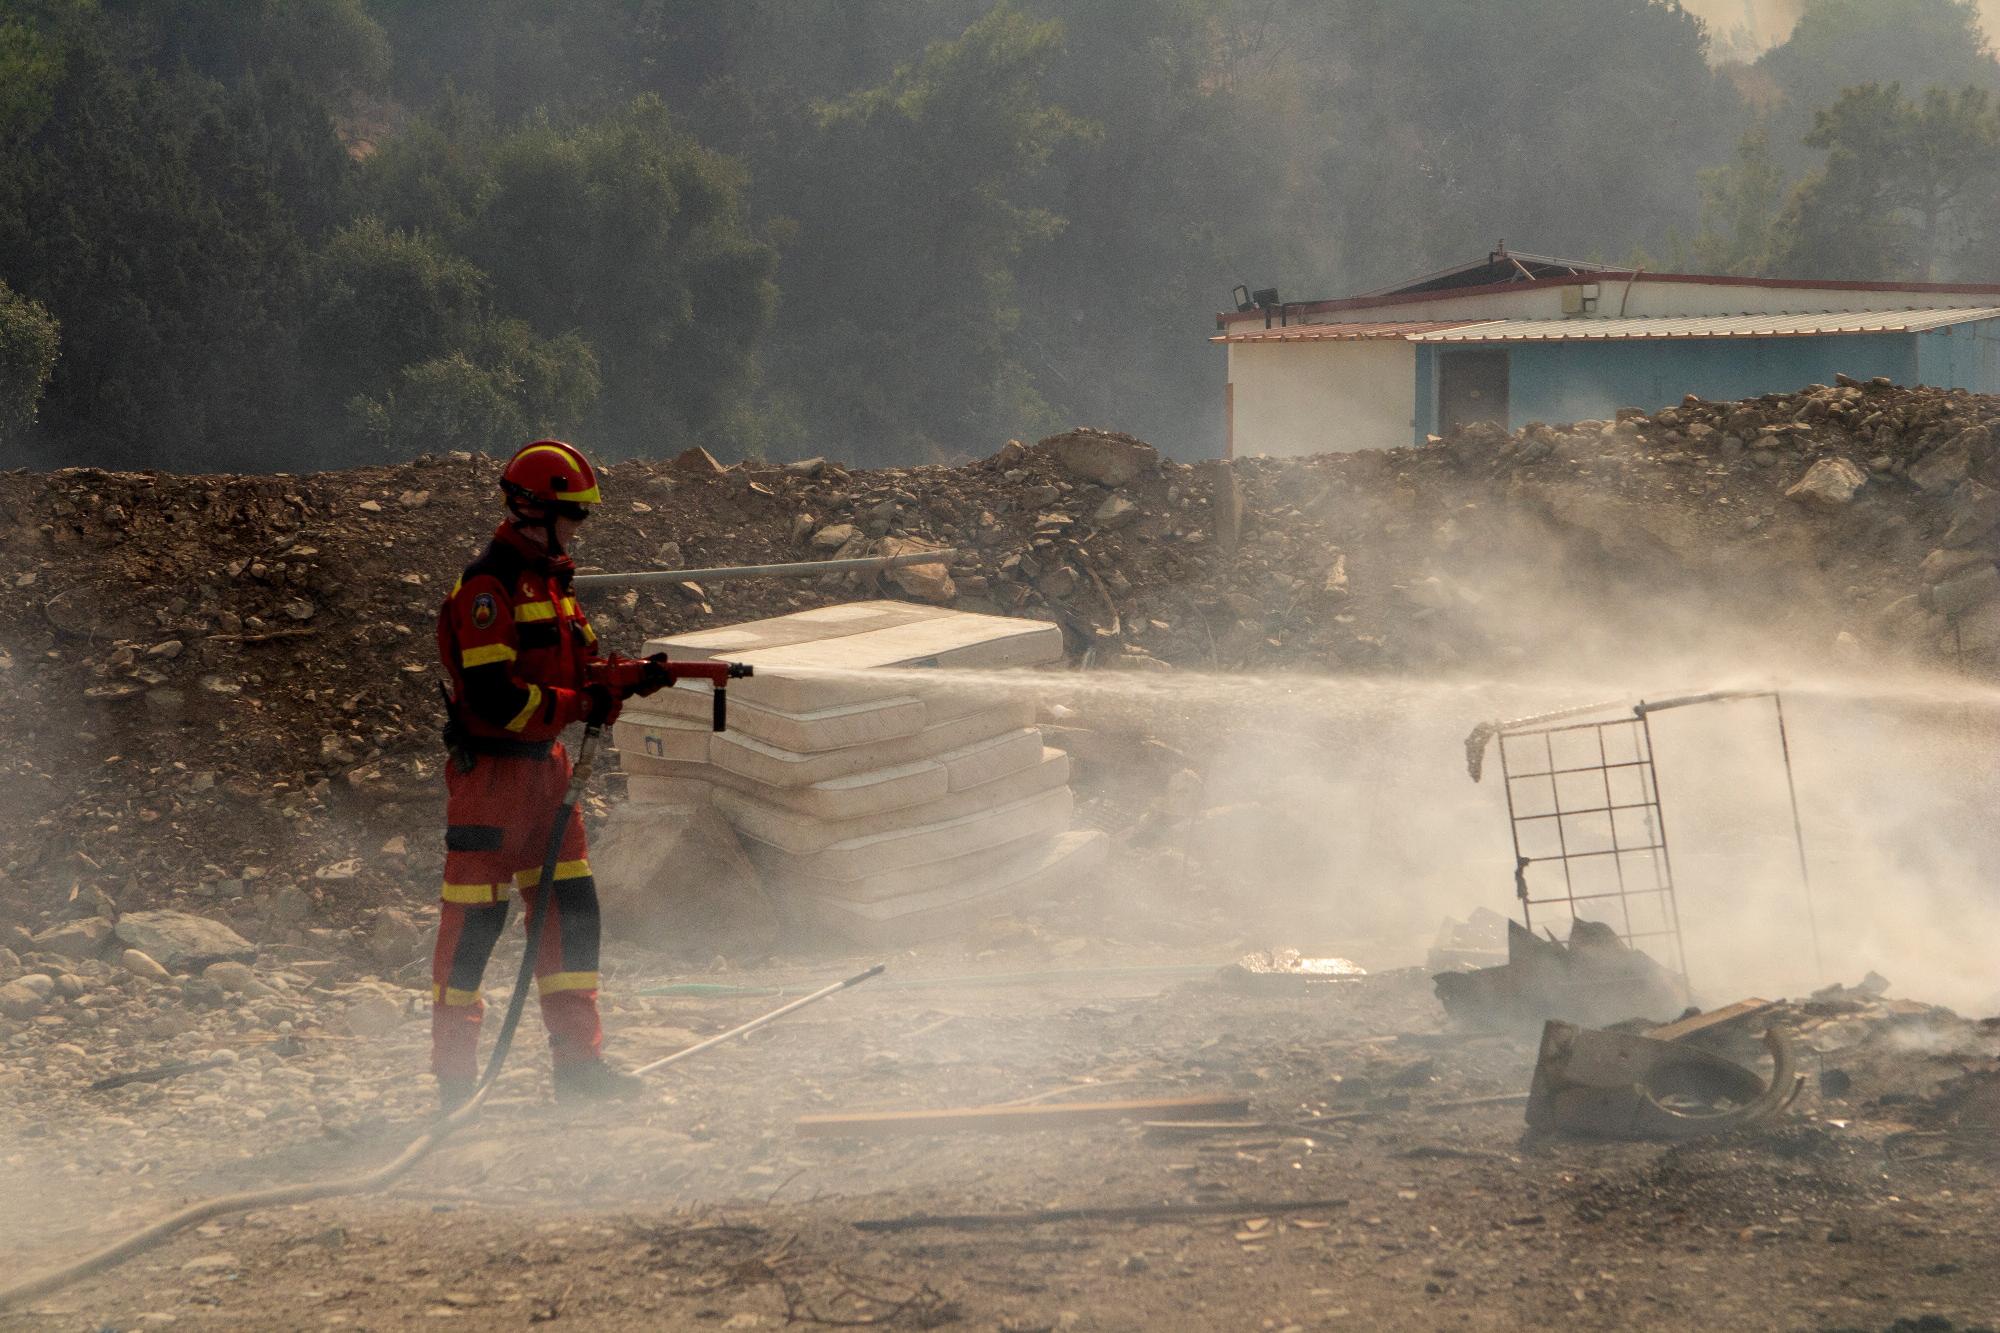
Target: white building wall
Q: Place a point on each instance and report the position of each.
(1297, 398)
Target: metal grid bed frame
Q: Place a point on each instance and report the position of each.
(1583, 806)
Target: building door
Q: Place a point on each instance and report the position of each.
(1472, 386)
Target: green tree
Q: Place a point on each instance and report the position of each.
(404, 343)
(622, 230)
(383, 300)
(28, 341)
(1842, 44)
(333, 46)
(1905, 188)
(1740, 204)
(901, 288)
(146, 216)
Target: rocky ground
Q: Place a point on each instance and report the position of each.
(1873, 1202)
(224, 692)
(223, 847)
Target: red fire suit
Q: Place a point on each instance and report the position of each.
(516, 648)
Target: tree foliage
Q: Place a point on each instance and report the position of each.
(914, 195)
(289, 233)
(621, 230)
(1906, 188)
(1739, 210)
(28, 342)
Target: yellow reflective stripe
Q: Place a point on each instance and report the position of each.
(589, 634)
(526, 611)
(456, 584)
(570, 456)
(562, 981)
(452, 998)
(486, 655)
(475, 893)
(528, 879)
(569, 605)
(527, 710)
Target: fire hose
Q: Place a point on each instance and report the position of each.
(718, 674)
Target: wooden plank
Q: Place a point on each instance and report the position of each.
(1159, 1212)
(873, 1124)
(1741, 1011)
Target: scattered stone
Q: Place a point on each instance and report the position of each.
(141, 964)
(24, 997)
(232, 977)
(698, 461)
(1105, 457)
(1962, 592)
(1941, 469)
(395, 937)
(291, 905)
(181, 941)
(83, 938)
(372, 1016)
(1115, 512)
(1941, 564)
(834, 536)
(926, 583)
(1974, 512)
(1828, 484)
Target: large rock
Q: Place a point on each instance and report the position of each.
(699, 461)
(1941, 564)
(1942, 469)
(181, 941)
(371, 1015)
(1828, 484)
(1115, 512)
(834, 536)
(675, 878)
(1105, 457)
(1962, 592)
(1974, 511)
(926, 583)
(395, 937)
(75, 939)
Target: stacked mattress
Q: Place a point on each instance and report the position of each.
(886, 808)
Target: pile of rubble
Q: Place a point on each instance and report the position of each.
(1893, 471)
(224, 696)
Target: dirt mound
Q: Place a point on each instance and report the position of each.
(223, 691)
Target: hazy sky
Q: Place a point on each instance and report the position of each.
(1772, 20)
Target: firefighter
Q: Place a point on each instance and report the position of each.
(522, 664)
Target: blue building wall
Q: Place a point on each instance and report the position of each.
(1965, 356)
(1578, 381)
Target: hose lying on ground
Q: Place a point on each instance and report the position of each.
(195, 1214)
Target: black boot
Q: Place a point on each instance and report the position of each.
(595, 1081)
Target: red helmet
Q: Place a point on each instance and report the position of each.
(550, 472)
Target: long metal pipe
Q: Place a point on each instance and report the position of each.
(756, 1023)
(796, 570)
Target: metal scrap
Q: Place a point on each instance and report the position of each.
(1593, 979)
(1287, 971)
(1624, 1086)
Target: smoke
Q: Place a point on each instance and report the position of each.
(1337, 815)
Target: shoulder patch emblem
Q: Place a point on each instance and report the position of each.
(484, 609)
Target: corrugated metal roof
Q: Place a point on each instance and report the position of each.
(1705, 326)
(1355, 332)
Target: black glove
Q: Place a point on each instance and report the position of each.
(604, 705)
(657, 676)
